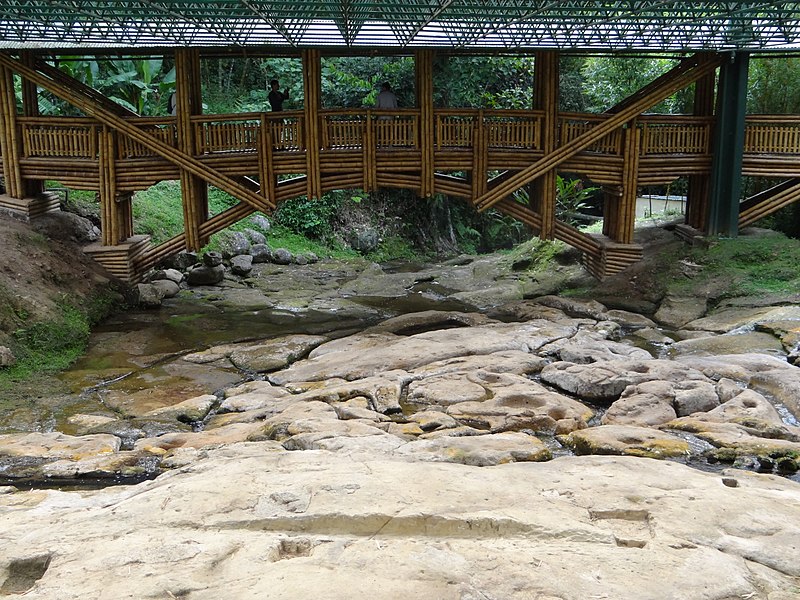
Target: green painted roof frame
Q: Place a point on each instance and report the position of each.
(631, 25)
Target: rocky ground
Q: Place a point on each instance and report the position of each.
(540, 448)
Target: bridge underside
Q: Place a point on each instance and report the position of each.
(482, 156)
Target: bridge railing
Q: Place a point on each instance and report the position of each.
(772, 134)
(573, 125)
(44, 137)
(675, 134)
(78, 137)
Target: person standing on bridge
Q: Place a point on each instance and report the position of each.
(386, 99)
(277, 97)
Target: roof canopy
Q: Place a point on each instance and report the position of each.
(503, 24)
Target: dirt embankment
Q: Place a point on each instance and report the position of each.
(39, 275)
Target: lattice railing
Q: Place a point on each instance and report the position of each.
(772, 134)
(69, 138)
(666, 134)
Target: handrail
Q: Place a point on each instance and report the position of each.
(344, 129)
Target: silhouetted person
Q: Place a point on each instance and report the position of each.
(276, 97)
(386, 98)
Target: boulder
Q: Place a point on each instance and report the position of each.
(241, 265)
(261, 253)
(205, 275)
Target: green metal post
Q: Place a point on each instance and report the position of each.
(726, 166)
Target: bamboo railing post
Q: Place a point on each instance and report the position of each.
(266, 163)
(626, 209)
(10, 135)
(312, 84)
(698, 193)
(109, 218)
(542, 192)
(368, 154)
(188, 102)
(423, 69)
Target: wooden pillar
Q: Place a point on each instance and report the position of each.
(30, 108)
(423, 70)
(726, 167)
(542, 192)
(480, 157)
(312, 85)
(188, 102)
(9, 136)
(698, 194)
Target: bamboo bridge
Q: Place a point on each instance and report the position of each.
(482, 156)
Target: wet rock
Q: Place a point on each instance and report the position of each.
(747, 438)
(480, 451)
(24, 455)
(149, 295)
(212, 259)
(261, 253)
(205, 275)
(273, 354)
(241, 265)
(166, 287)
(188, 411)
(575, 307)
(167, 274)
(220, 436)
(281, 256)
(234, 243)
(125, 464)
(433, 420)
(491, 296)
(364, 240)
(629, 319)
(627, 440)
(83, 424)
(253, 397)
(676, 312)
(255, 237)
(653, 336)
(180, 261)
(429, 320)
(738, 343)
(726, 320)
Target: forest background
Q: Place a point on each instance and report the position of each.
(402, 225)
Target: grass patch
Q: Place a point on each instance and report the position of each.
(48, 346)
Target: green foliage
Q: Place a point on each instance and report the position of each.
(571, 197)
(309, 217)
(483, 81)
(608, 80)
(774, 86)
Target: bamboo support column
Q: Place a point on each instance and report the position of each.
(370, 172)
(9, 140)
(423, 69)
(542, 192)
(312, 84)
(269, 179)
(697, 198)
(188, 102)
(480, 158)
(626, 215)
(109, 219)
(30, 108)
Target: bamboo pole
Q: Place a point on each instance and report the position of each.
(10, 138)
(699, 190)
(171, 154)
(546, 94)
(423, 66)
(312, 83)
(689, 71)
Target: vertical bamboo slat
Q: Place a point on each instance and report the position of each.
(266, 161)
(698, 192)
(312, 81)
(626, 215)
